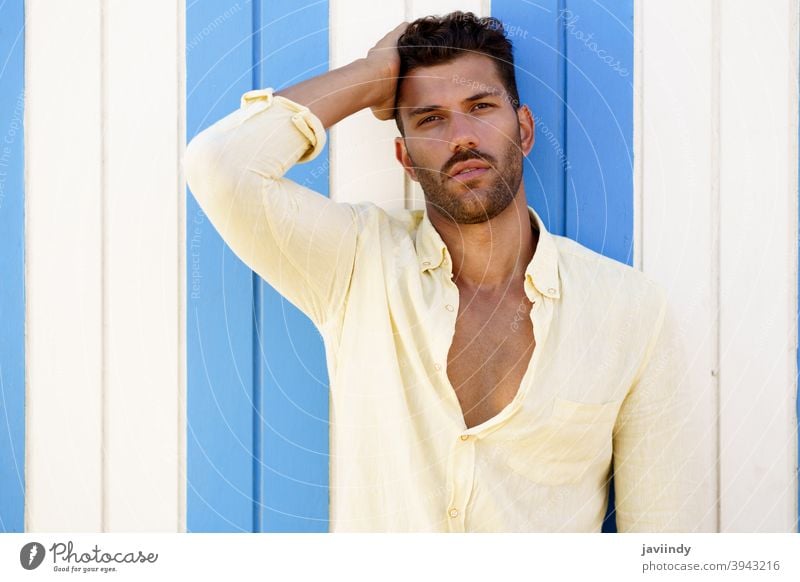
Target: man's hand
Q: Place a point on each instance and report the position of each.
(386, 61)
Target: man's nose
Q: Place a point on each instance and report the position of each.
(462, 132)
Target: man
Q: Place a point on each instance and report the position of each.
(482, 370)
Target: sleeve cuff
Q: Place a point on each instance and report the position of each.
(303, 119)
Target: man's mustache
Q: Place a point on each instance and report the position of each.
(464, 155)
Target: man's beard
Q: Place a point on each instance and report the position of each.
(468, 206)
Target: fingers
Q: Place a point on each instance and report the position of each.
(383, 113)
(391, 38)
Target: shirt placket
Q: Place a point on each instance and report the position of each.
(461, 460)
(443, 325)
(461, 456)
(460, 475)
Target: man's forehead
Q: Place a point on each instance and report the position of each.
(455, 80)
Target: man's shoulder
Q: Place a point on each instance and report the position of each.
(580, 266)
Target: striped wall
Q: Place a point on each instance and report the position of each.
(12, 253)
(168, 389)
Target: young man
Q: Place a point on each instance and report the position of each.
(482, 370)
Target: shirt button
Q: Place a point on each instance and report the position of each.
(464, 437)
(426, 263)
(437, 367)
(453, 512)
(551, 290)
(449, 307)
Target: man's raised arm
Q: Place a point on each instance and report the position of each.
(299, 241)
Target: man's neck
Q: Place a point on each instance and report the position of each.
(490, 255)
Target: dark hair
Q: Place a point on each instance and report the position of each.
(435, 40)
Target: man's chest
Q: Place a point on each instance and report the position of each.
(491, 349)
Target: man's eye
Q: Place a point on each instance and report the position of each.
(430, 118)
(482, 105)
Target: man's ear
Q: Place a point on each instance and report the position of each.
(527, 129)
(401, 153)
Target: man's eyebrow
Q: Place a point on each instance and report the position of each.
(422, 110)
(428, 108)
(482, 95)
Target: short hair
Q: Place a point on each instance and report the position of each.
(435, 40)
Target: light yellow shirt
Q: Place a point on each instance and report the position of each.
(604, 377)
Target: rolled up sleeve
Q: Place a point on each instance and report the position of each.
(299, 241)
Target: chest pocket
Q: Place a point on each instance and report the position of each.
(563, 447)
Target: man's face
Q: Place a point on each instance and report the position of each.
(464, 141)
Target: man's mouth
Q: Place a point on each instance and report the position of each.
(468, 170)
(469, 173)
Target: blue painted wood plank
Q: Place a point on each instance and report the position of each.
(599, 125)
(293, 42)
(220, 436)
(12, 268)
(537, 38)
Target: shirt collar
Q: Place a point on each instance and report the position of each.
(542, 271)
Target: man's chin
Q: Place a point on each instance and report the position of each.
(482, 208)
(469, 214)
(473, 219)
(464, 205)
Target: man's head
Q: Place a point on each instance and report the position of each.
(435, 40)
(457, 108)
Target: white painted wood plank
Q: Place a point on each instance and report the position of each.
(674, 200)
(144, 200)
(758, 270)
(362, 162)
(63, 266)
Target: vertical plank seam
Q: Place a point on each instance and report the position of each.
(794, 128)
(181, 274)
(331, 159)
(716, 254)
(561, 37)
(103, 272)
(638, 135)
(26, 114)
(256, 328)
